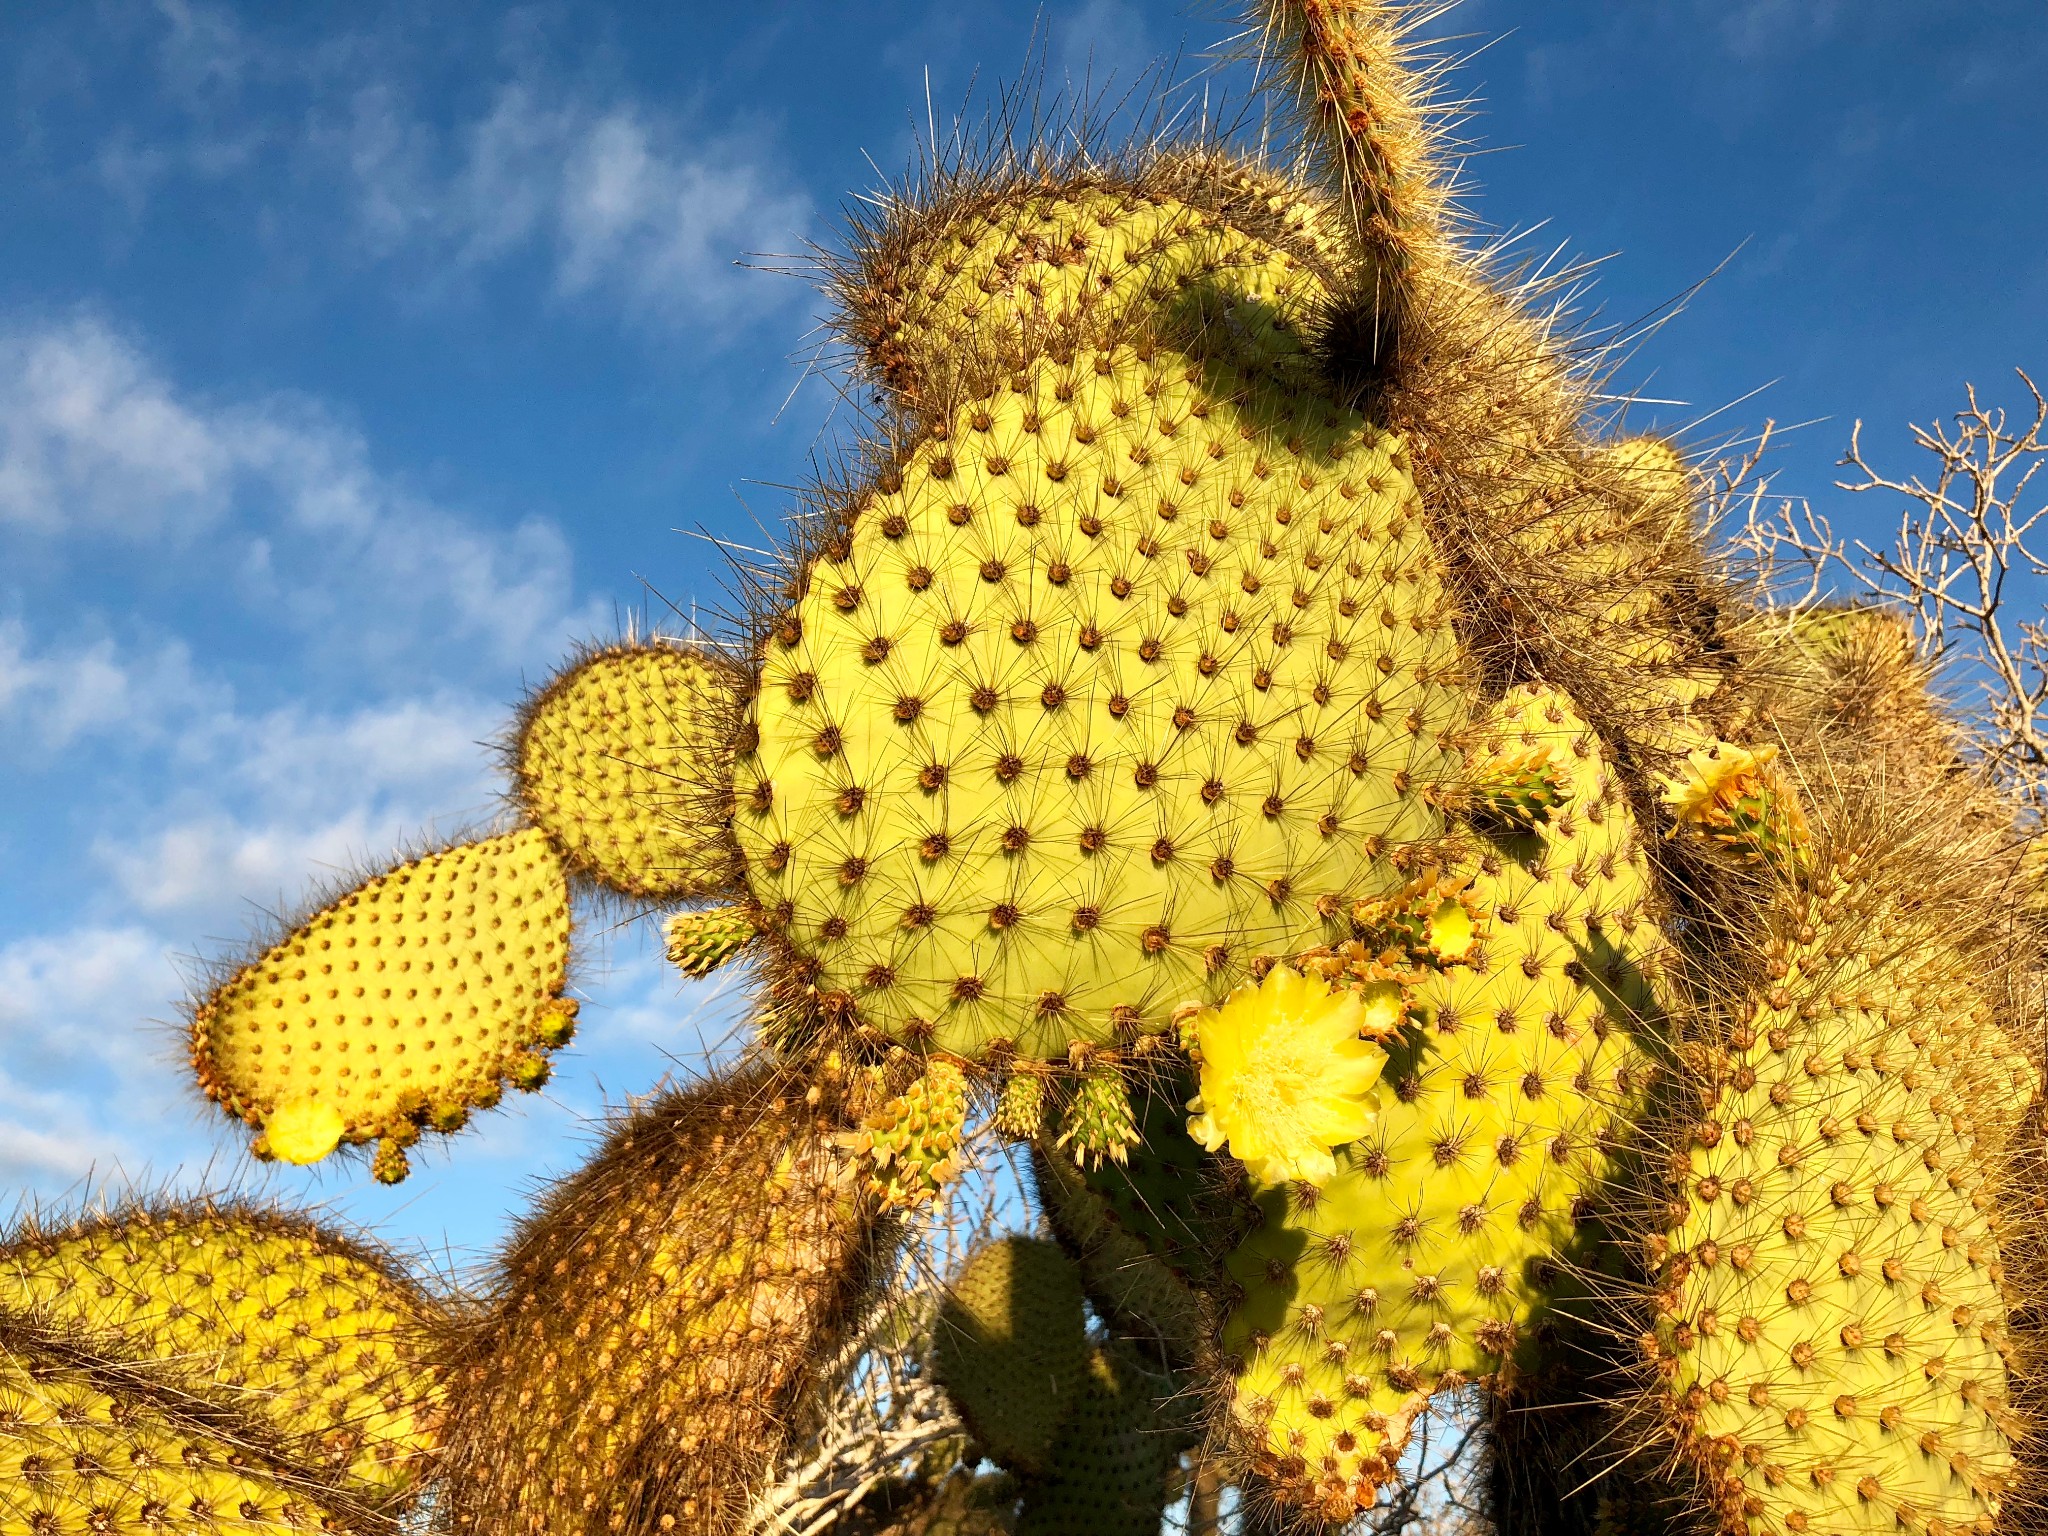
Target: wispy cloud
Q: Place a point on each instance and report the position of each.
(625, 202)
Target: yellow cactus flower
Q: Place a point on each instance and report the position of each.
(1285, 1076)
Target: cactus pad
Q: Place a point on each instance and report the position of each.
(315, 1337)
(1132, 674)
(1098, 262)
(658, 1321)
(78, 1456)
(1011, 1348)
(616, 759)
(1427, 1261)
(1145, 1230)
(1832, 1347)
(1123, 1433)
(408, 1000)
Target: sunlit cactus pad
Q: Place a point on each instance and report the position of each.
(1135, 674)
(404, 1003)
(322, 1341)
(618, 760)
(1427, 1262)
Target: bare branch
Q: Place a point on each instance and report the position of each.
(1961, 542)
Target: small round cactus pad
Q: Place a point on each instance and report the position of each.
(1138, 670)
(615, 760)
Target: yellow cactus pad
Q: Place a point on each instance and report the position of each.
(78, 1459)
(1089, 263)
(407, 1001)
(310, 1335)
(1428, 1259)
(1135, 674)
(619, 756)
(1832, 1338)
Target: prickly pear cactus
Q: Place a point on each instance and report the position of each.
(80, 1453)
(1136, 669)
(1011, 1347)
(1251, 737)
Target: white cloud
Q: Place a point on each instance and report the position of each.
(270, 804)
(625, 202)
(91, 437)
(51, 698)
(94, 441)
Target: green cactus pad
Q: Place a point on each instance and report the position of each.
(1146, 1231)
(319, 1339)
(1428, 1261)
(1832, 1346)
(408, 1001)
(1011, 1347)
(617, 759)
(1126, 1429)
(1134, 675)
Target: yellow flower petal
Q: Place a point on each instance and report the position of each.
(1285, 1077)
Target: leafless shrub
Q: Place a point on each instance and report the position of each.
(1959, 562)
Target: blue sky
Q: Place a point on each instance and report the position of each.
(354, 362)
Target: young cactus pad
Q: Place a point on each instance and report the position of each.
(657, 1323)
(618, 759)
(321, 1340)
(1427, 1261)
(1831, 1347)
(1011, 1348)
(1134, 672)
(411, 999)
